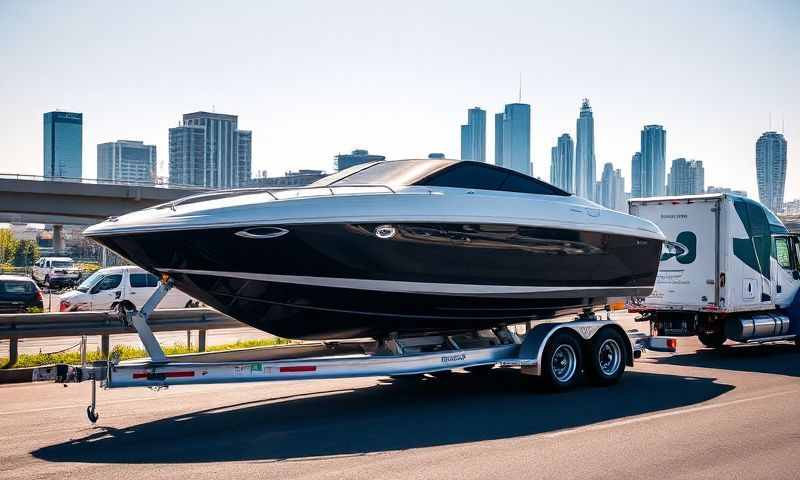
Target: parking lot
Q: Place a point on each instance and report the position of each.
(696, 414)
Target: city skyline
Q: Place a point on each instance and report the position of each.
(294, 87)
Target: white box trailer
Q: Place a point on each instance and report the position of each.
(727, 260)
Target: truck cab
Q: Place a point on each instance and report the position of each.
(116, 288)
(786, 268)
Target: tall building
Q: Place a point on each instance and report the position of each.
(562, 163)
(357, 157)
(611, 189)
(244, 156)
(653, 167)
(63, 144)
(686, 177)
(187, 147)
(585, 174)
(771, 169)
(126, 161)
(223, 158)
(473, 136)
(513, 137)
(636, 175)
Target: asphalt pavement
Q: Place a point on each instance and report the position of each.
(696, 414)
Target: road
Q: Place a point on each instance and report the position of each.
(696, 414)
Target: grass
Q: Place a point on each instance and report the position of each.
(129, 353)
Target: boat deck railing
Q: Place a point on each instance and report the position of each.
(328, 189)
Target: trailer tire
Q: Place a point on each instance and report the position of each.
(712, 340)
(606, 363)
(561, 361)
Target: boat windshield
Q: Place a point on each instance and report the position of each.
(393, 173)
(440, 173)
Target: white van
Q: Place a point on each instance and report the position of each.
(114, 288)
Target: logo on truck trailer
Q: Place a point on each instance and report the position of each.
(683, 249)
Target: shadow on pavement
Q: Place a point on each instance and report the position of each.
(388, 416)
(777, 358)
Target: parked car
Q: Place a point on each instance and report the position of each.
(116, 288)
(56, 272)
(19, 294)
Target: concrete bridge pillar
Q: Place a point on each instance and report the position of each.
(58, 239)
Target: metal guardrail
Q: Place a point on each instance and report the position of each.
(75, 324)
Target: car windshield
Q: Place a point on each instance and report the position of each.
(87, 284)
(61, 264)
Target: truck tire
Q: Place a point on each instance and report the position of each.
(561, 362)
(712, 340)
(606, 363)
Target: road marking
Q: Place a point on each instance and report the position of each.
(656, 416)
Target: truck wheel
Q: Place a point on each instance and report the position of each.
(607, 362)
(712, 340)
(561, 362)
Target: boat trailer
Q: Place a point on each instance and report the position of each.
(559, 352)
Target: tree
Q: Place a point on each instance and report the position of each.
(27, 253)
(8, 246)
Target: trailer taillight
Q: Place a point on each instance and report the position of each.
(672, 343)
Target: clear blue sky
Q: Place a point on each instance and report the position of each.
(315, 78)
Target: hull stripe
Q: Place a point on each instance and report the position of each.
(401, 286)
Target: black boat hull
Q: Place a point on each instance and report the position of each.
(318, 281)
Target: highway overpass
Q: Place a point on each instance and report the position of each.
(39, 200)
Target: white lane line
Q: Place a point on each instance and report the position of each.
(656, 416)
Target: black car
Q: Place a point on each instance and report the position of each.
(19, 295)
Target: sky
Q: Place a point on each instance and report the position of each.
(313, 79)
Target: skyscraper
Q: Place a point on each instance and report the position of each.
(223, 162)
(244, 156)
(585, 174)
(686, 177)
(513, 137)
(636, 175)
(126, 161)
(611, 189)
(357, 157)
(498, 139)
(63, 144)
(771, 169)
(187, 147)
(562, 163)
(473, 136)
(653, 166)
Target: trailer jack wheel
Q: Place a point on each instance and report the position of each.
(91, 412)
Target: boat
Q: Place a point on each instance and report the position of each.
(392, 248)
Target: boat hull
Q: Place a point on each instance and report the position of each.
(340, 280)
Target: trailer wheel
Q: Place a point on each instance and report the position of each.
(561, 362)
(607, 361)
(712, 340)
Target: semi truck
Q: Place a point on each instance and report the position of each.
(730, 270)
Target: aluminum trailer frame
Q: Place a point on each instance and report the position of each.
(391, 357)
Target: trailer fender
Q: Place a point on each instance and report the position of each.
(533, 345)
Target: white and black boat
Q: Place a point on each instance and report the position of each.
(404, 246)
